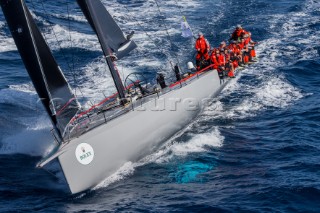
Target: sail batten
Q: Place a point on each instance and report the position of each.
(47, 77)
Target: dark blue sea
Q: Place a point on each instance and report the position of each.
(256, 148)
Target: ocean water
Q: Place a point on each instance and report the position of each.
(256, 148)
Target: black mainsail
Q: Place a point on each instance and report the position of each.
(46, 75)
(112, 39)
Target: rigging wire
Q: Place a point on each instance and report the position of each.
(72, 57)
(71, 69)
(160, 47)
(145, 32)
(59, 44)
(71, 44)
(167, 31)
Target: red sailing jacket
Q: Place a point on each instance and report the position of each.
(222, 60)
(237, 34)
(241, 45)
(247, 40)
(202, 44)
(215, 61)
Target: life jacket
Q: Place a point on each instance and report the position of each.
(215, 61)
(236, 50)
(253, 53)
(222, 60)
(246, 58)
(231, 46)
(235, 64)
(202, 44)
(241, 45)
(231, 74)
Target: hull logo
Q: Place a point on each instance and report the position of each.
(84, 153)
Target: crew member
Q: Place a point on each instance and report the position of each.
(221, 59)
(177, 72)
(161, 80)
(214, 59)
(236, 35)
(222, 46)
(251, 47)
(202, 46)
(229, 69)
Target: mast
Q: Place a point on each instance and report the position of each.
(46, 75)
(113, 42)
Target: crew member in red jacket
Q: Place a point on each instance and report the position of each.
(215, 59)
(202, 46)
(236, 35)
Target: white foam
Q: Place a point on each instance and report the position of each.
(295, 30)
(71, 17)
(277, 93)
(59, 36)
(38, 18)
(197, 143)
(126, 170)
(273, 92)
(312, 6)
(98, 82)
(28, 88)
(7, 44)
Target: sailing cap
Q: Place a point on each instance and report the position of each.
(200, 34)
(239, 26)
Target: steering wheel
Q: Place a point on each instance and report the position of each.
(135, 78)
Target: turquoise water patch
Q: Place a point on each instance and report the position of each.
(190, 172)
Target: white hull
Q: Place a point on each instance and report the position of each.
(134, 134)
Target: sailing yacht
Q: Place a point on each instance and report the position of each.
(94, 143)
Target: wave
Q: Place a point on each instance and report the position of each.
(33, 142)
(32, 129)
